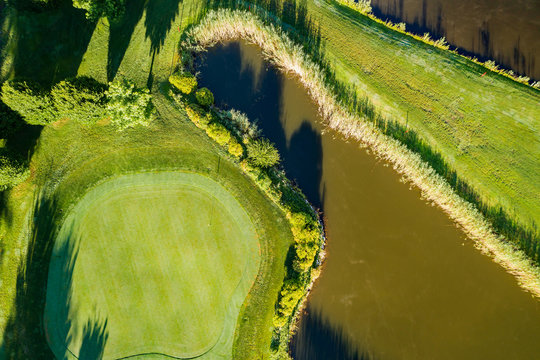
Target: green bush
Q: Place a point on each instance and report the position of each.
(200, 117)
(95, 9)
(204, 97)
(30, 101)
(262, 153)
(10, 121)
(290, 294)
(185, 82)
(12, 172)
(235, 148)
(128, 106)
(79, 98)
(218, 133)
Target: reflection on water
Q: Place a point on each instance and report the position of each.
(317, 331)
(400, 280)
(507, 31)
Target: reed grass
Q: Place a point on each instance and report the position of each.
(225, 25)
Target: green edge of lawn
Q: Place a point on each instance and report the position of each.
(157, 262)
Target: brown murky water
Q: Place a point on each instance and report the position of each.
(400, 280)
(507, 31)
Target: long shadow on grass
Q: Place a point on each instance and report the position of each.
(257, 91)
(318, 339)
(51, 43)
(27, 331)
(120, 33)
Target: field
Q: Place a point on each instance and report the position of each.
(485, 127)
(158, 262)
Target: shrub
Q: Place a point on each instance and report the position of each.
(204, 97)
(12, 172)
(30, 101)
(246, 129)
(95, 9)
(235, 148)
(262, 153)
(185, 82)
(79, 98)
(10, 121)
(290, 294)
(198, 115)
(219, 133)
(128, 106)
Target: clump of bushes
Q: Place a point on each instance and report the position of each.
(29, 100)
(185, 82)
(128, 106)
(289, 296)
(81, 98)
(262, 153)
(204, 97)
(218, 133)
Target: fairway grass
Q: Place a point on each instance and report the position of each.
(160, 262)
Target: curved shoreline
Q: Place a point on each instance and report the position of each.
(225, 25)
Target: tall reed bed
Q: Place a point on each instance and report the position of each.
(225, 25)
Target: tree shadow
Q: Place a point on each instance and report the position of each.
(120, 33)
(317, 338)
(27, 333)
(49, 44)
(160, 15)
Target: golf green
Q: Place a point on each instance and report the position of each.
(153, 265)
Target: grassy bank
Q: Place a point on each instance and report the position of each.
(223, 25)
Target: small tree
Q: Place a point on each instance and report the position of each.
(30, 101)
(262, 153)
(204, 97)
(183, 81)
(81, 98)
(128, 106)
(198, 115)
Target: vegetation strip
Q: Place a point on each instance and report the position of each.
(232, 130)
(223, 25)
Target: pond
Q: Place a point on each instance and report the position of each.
(400, 281)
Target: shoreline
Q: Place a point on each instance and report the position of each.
(225, 25)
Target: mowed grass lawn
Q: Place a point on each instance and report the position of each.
(159, 262)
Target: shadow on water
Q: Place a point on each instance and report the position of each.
(26, 333)
(318, 339)
(251, 87)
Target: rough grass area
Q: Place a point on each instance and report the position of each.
(485, 127)
(161, 262)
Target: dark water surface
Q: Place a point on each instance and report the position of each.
(400, 280)
(507, 31)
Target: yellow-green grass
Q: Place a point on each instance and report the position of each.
(486, 127)
(159, 262)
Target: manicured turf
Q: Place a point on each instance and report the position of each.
(160, 262)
